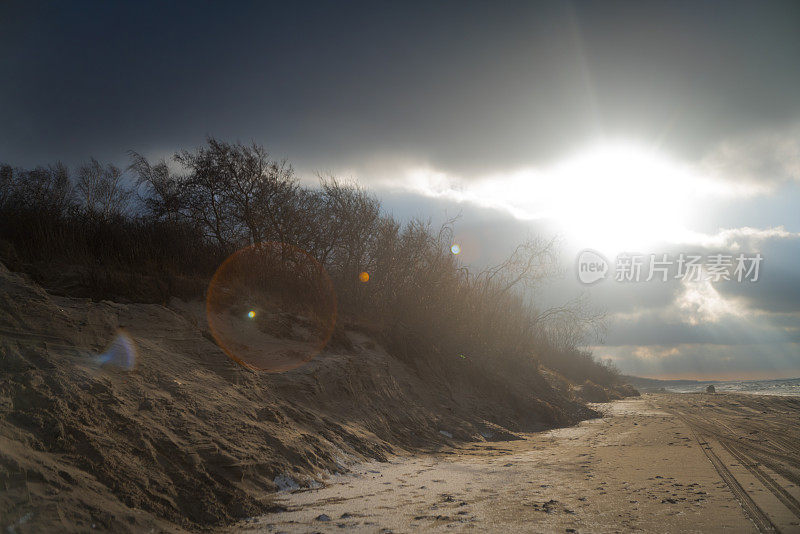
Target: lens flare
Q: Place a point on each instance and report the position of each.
(271, 307)
(364, 277)
(120, 353)
(469, 245)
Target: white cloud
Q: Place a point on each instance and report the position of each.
(757, 162)
(700, 302)
(735, 239)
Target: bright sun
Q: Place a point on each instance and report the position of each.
(613, 197)
(621, 198)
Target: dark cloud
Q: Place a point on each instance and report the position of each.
(465, 86)
(778, 287)
(666, 330)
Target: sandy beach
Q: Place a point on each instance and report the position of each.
(659, 463)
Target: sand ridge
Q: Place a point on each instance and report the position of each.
(181, 437)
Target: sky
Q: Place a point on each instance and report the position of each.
(638, 128)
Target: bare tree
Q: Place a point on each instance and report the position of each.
(164, 195)
(351, 215)
(572, 324)
(102, 190)
(531, 263)
(238, 192)
(43, 188)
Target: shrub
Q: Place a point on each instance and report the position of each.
(418, 298)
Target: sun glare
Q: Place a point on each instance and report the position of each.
(622, 198)
(614, 197)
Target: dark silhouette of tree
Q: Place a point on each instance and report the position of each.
(238, 192)
(164, 196)
(101, 190)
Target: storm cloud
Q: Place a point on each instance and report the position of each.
(428, 102)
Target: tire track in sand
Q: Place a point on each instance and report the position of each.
(753, 511)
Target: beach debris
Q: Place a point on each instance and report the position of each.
(446, 434)
(547, 506)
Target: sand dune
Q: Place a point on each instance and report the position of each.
(161, 430)
(158, 430)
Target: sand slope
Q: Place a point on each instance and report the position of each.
(187, 438)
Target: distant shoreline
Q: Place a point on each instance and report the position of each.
(778, 386)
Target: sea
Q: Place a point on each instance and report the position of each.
(781, 386)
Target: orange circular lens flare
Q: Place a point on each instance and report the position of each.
(364, 277)
(271, 307)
